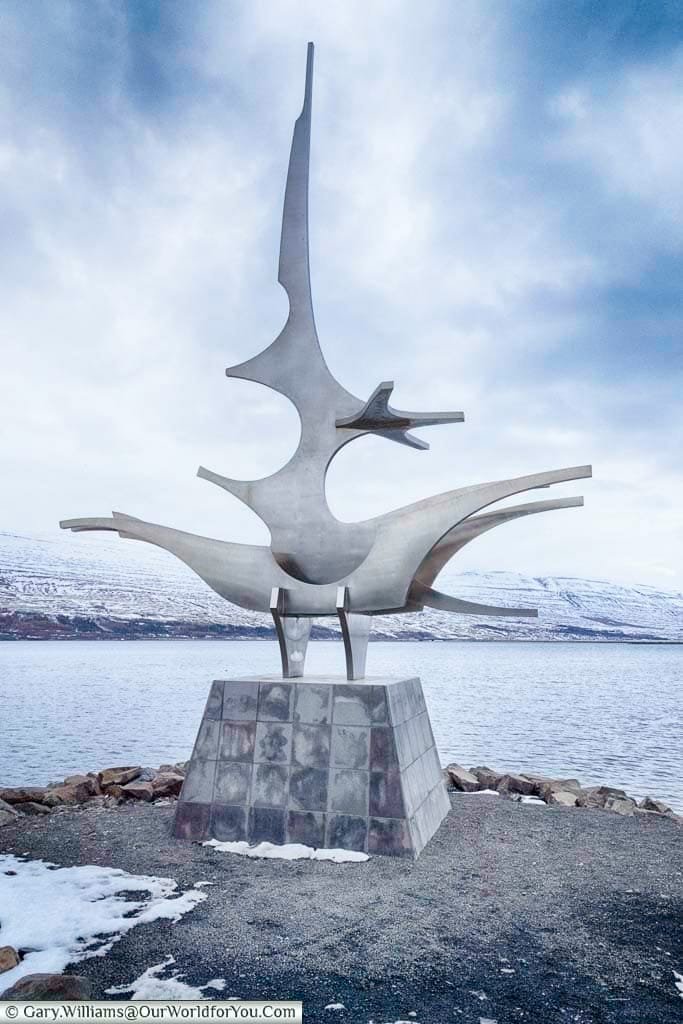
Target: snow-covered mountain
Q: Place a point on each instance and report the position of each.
(62, 587)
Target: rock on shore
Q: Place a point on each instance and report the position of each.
(561, 792)
(106, 788)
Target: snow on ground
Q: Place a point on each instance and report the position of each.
(288, 851)
(679, 983)
(481, 792)
(151, 986)
(531, 800)
(63, 915)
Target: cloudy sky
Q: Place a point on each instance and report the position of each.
(496, 225)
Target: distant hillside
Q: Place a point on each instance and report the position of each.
(65, 587)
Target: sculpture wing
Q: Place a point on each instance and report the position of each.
(241, 573)
(406, 536)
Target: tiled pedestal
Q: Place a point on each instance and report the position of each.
(319, 761)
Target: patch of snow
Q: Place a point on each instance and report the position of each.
(150, 986)
(678, 983)
(507, 970)
(487, 1020)
(531, 800)
(334, 1006)
(288, 851)
(63, 915)
(481, 792)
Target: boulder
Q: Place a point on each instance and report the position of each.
(117, 776)
(597, 796)
(180, 768)
(7, 814)
(488, 777)
(558, 786)
(656, 806)
(167, 784)
(146, 775)
(461, 779)
(564, 797)
(9, 958)
(35, 987)
(23, 794)
(620, 806)
(138, 791)
(35, 809)
(510, 783)
(77, 794)
(89, 781)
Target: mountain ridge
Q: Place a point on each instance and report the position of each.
(52, 587)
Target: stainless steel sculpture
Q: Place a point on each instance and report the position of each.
(315, 564)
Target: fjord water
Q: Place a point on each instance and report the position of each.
(604, 713)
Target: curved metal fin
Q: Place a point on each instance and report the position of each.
(377, 416)
(240, 488)
(422, 595)
(293, 270)
(90, 523)
(474, 526)
(296, 351)
(355, 629)
(293, 633)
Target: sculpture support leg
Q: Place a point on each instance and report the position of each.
(293, 632)
(355, 629)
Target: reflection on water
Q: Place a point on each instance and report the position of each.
(601, 712)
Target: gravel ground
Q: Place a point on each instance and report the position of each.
(512, 913)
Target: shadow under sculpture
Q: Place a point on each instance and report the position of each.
(245, 780)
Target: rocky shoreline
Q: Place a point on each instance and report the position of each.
(531, 787)
(111, 787)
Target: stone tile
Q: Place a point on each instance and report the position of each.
(229, 824)
(214, 704)
(308, 789)
(403, 750)
(273, 742)
(389, 836)
(350, 747)
(206, 744)
(346, 832)
(306, 827)
(359, 704)
(348, 791)
(311, 745)
(411, 792)
(240, 701)
(313, 704)
(237, 741)
(386, 795)
(382, 748)
(198, 784)
(266, 825)
(435, 761)
(398, 699)
(191, 821)
(269, 785)
(275, 702)
(232, 782)
(413, 738)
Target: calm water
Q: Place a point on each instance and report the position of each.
(604, 713)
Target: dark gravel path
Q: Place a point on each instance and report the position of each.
(585, 907)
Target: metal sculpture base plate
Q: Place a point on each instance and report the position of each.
(319, 761)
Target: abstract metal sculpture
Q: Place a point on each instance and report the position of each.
(315, 564)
